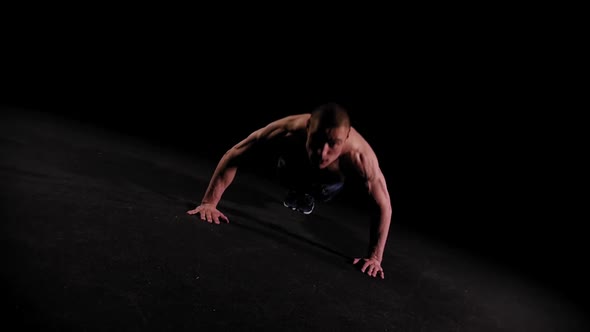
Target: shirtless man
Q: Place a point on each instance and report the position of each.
(334, 151)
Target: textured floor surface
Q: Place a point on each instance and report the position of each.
(96, 238)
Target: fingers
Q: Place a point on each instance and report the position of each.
(220, 215)
(365, 266)
(371, 268)
(210, 216)
(216, 216)
(376, 270)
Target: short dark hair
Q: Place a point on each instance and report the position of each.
(330, 115)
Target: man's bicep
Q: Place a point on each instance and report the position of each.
(377, 187)
(368, 167)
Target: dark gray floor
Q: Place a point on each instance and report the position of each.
(96, 238)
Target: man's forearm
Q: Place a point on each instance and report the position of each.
(222, 177)
(380, 232)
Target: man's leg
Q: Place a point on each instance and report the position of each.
(326, 192)
(297, 180)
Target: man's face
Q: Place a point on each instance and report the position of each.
(324, 145)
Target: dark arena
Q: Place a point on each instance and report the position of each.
(454, 220)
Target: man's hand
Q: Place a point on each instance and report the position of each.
(209, 213)
(371, 266)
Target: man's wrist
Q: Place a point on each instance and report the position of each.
(376, 257)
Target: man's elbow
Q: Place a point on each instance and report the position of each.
(386, 210)
(382, 208)
(384, 204)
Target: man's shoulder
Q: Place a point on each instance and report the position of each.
(299, 119)
(298, 116)
(358, 146)
(294, 122)
(359, 152)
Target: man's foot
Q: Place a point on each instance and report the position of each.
(303, 203)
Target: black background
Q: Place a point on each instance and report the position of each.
(463, 120)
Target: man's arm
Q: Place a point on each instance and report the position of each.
(377, 188)
(227, 167)
(368, 166)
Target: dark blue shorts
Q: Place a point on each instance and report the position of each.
(297, 175)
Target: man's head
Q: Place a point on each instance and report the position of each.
(327, 131)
